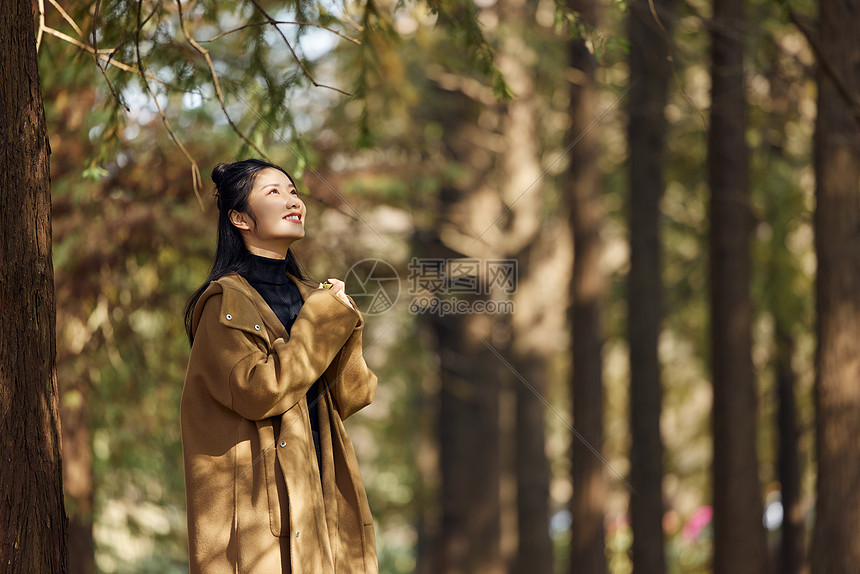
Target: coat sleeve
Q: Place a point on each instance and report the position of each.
(349, 380)
(254, 379)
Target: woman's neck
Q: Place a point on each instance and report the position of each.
(270, 252)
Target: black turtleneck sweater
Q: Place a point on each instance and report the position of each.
(269, 278)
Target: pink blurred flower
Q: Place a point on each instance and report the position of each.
(697, 522)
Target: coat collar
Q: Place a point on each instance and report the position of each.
(236, 281)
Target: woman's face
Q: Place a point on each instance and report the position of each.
(279, 215)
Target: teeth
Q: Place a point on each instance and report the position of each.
(293, 218)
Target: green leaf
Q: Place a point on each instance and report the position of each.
(94, 173)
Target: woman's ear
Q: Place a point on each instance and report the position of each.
(239, 219)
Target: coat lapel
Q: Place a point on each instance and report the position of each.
(273, 324)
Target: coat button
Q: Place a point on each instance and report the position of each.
(229, 316)
(297, 533)
(257, 327)
(283, 443)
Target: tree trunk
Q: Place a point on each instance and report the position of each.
(519, 177)
(785, 300)
(32, 515)
(836, 541)
(534, 551)
(649, 77)
(588, 288)
(468, 541)
(791, 548)
(469, 443)
(739, 537)
(530, 356)
(78, 477)
(427, 460)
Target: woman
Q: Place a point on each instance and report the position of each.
(271, 479)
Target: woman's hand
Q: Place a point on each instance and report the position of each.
(337, 288)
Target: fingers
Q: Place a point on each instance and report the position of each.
(342, 296)
(333, 285)
(338, 290)
(336, 286)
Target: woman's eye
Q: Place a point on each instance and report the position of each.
(274, 191)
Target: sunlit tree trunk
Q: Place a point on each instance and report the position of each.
(67, 118)
(836, 542)
(32, 515)
(739, 536)
(649, 77)
(78, 478)
(534, 550)
(519, 177)
(470, 373)
(584, 187)
(469, 441)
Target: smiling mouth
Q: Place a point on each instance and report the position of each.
(295, 218)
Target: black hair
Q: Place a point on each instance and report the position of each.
(233, 184)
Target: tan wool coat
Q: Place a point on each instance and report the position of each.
(257, 501)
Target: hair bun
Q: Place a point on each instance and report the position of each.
(218, 173)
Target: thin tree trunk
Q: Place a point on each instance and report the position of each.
(32, 515)
(78, 478)
(739, 537)
(588, 289)
(791, 548)
(427, 548)
(649, 76)
(836, 541)
(784, 303)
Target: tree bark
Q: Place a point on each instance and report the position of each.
(836, 540)
(739, 537)
(32, 515)
(469, 444)
(588, 289)
(470, 373)
(791, 548)
(534, 551)
(649, 77)
(78, 477)
(519, 177)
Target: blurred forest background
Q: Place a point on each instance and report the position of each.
(676, 388)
